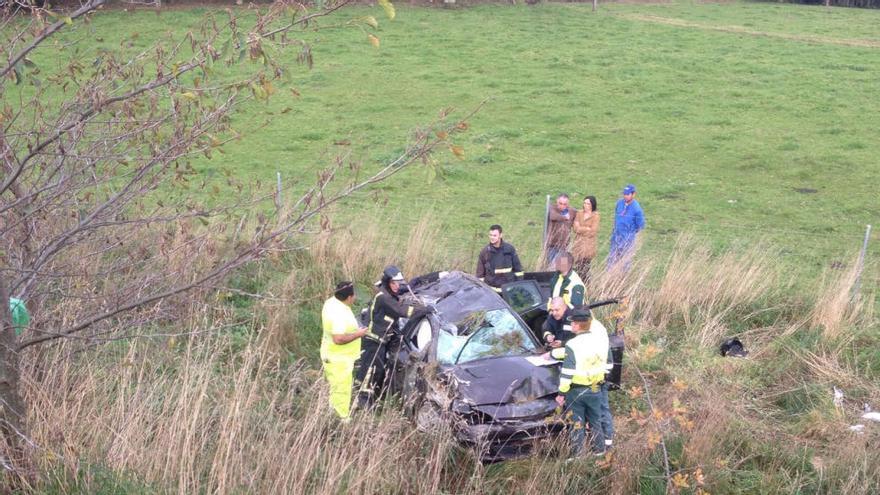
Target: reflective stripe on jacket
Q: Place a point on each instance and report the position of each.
(499, 266)
(584, 361)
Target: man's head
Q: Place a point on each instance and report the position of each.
(391, 278)
(564, 262)
(345, 292)
(557, 308)
(562, 202)
(495, 235)
(581, 320)
(629, 192)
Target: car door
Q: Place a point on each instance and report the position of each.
(527, 300)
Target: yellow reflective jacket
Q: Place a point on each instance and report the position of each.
(338, 319)
(584, 361)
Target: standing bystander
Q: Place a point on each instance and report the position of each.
(340, 346)
(498, 263)
(561, 216)
(629, 220)
(586, 228)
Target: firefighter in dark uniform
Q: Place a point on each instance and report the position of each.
(498, 263)
(381, 337)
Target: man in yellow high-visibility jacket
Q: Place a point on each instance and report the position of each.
(340, 346)
(566, 284)
(581, 379)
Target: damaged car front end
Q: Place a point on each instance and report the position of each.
(473, 365)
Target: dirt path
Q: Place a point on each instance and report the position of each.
(743, 30)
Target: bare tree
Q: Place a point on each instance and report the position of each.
(101, 222)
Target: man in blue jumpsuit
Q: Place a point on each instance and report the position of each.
(629, 220)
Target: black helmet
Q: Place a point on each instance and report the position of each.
(390, 273)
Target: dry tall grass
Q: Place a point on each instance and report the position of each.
(213, 413)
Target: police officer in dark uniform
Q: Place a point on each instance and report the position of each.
(498, 263)
(382, 336)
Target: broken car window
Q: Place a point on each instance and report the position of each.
(523, 295)
(484, 334)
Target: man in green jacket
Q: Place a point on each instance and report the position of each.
(580, 383)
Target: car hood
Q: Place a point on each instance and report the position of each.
(504, 380)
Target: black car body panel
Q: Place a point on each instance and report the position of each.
(505, 380)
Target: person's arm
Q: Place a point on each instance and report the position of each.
(579, 226)
(518, 271)
(345, 338)
(397, 309)
(547, 331)
(481, 268)
(577, 295)
(567, 373)
(639, 219)
(555, 216)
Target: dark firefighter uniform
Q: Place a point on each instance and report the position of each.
(583, 373)
(499, 265)
(559, 329)
(569, 287)
(381, 338)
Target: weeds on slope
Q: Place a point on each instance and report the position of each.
(219, 412)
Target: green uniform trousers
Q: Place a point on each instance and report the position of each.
(586, 408)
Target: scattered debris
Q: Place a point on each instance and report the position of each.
(858, 429)
(872, 416)
(733, 348)
(838, 397)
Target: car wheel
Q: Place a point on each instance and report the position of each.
(428, 416)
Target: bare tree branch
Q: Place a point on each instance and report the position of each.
(47, 33)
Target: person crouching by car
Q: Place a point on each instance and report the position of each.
(382, 335)
(580, 384)
(556, 328)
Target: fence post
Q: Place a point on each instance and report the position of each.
(861, 264)
(278, 191)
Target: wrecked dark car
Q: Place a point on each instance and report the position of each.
(468, 365)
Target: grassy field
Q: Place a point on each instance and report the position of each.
(737, 121)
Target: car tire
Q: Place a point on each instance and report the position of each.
(427, 416)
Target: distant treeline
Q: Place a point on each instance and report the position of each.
(862, 4)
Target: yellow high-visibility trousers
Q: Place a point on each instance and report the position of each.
(339, 376)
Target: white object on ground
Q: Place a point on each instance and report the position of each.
(873, 416)
(838, 397)
(857, 428)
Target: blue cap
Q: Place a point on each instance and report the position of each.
(629, 189)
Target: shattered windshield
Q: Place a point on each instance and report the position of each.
(484, 334)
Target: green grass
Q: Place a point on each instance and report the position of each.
(719, 130)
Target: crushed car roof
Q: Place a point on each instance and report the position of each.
(456, 295)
